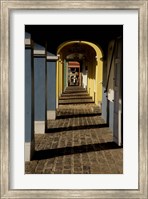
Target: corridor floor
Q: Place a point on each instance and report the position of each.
(77, 142)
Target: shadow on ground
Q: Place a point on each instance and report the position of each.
(52, 153)
(72, 128)
(77, 115)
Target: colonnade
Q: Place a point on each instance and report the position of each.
(40, 91)
(46, 79)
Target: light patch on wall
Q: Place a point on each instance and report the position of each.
(111, 95)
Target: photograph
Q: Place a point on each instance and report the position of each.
(73, 99)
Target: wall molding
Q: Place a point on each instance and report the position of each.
(39, 53)
(39, 127)
(29, 150)
(28, 41)
(52, 58)
(51, 114)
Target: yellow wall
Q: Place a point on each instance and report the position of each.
(99, 72)
(60, 82)
(91, 77)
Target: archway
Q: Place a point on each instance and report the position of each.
(89, 56)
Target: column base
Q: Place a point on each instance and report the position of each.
(116, 140)
(39, 127)
(29, 150)
(51, 115)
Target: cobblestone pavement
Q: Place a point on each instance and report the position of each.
(77, 142)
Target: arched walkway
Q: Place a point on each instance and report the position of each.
(89, 55)
(73, 107)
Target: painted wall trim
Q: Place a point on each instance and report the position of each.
(39, 52)
(29, 150)
(51, 115)
(28, 42)
(54, 58)
(39, 127)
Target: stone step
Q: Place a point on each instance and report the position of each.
(76, 101)
(74, 94)
(74, 88)
(78, 89)
(75, 91)
(74, 97)
(96, 109)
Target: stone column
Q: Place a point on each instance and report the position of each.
(40, 88)
(29, 99)
(51, 86)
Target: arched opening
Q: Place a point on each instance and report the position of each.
(89, 72)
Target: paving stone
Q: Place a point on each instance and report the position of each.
(48, 171)
(75, 144)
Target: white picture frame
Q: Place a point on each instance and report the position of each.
(6, 7)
